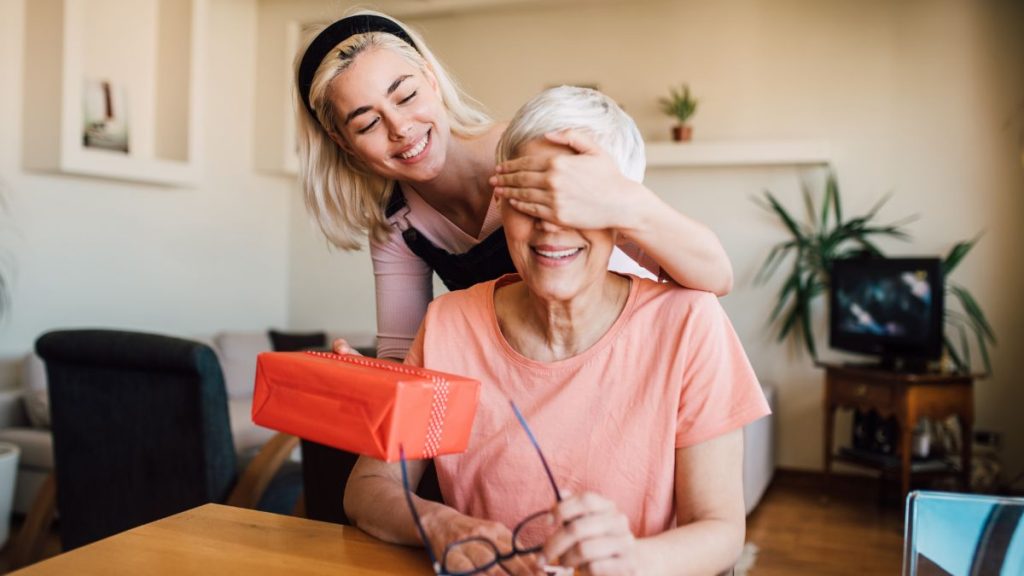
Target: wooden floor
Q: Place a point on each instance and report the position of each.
(858, 531)
(797, 530)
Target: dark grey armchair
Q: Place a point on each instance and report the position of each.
(141, 431)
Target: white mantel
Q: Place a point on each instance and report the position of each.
(738, 153)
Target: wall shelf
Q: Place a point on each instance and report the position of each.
(738, 153)
(91, 80)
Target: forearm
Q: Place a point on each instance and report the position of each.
(701, 548)
(687, 251)
(377, 505)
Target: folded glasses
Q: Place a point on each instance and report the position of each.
(528, 536)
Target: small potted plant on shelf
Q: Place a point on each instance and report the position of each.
(680, 105)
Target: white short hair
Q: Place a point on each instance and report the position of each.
(585, 109)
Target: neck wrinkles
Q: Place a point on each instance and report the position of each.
(549, 331)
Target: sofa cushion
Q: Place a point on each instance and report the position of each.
(237, 352)
(33, 382)
(759, 452)
(248, 437)
(36, 446)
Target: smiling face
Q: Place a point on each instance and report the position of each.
(556, 263)
(390, 116)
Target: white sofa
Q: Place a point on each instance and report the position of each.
(24, 418)
(759, 452)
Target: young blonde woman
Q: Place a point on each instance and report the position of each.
(390, 147)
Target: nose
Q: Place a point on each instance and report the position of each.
(399, 125)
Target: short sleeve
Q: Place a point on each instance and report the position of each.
(415, 355)
(404, 286)
(720, 392)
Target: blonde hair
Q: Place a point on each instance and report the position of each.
(345, 198)
(573, 107)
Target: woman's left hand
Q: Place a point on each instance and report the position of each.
(584, 190)
(594, 537)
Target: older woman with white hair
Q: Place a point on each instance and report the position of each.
(636, 391)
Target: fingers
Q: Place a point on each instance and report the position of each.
(578, 140)
(608, 566)
(573, 507)
(522, 179)
(536, 210)
(589, 552)
(534, 195)
(472, 555)
(523, 164)
(523, 565)
(594, 535)
(341, 346)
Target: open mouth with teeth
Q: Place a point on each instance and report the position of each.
(556, 256)
(417, 149)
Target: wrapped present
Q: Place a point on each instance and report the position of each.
(364, 405)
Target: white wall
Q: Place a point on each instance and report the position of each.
(91, 252)
(921, 98)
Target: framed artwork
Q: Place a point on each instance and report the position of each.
(105, 116)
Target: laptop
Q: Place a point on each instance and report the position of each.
(950, 534)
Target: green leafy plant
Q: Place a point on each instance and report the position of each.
(825, 238)
(814, 245)
(679, 104)
(968, 316)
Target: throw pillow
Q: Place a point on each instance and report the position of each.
(237, 352)
(37, 399)
(293, 341)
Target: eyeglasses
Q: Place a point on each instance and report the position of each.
(527, 538)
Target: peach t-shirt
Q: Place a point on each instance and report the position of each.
(669, 373)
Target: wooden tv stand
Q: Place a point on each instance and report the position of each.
(907, 396)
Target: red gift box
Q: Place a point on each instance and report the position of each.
(364, 405)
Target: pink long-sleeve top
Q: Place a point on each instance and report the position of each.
(404, 282)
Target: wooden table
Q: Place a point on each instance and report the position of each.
(907, 396)
(221, 540)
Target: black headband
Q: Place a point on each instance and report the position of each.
(336, 34)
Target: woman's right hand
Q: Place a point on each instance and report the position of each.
(447, 528)
(341, 346)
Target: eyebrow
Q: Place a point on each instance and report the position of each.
(391, 90)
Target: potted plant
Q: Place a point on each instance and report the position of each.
(827, 238)
(680, 105)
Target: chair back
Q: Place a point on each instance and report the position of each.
(140, 429)
(963, 535)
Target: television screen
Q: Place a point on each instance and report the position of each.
(890, 307)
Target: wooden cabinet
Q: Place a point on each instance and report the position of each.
(906, 396)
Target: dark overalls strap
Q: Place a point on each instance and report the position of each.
(486, 261)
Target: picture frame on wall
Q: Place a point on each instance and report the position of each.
(105, 116)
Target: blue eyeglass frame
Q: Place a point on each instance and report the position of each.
(440, 568)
